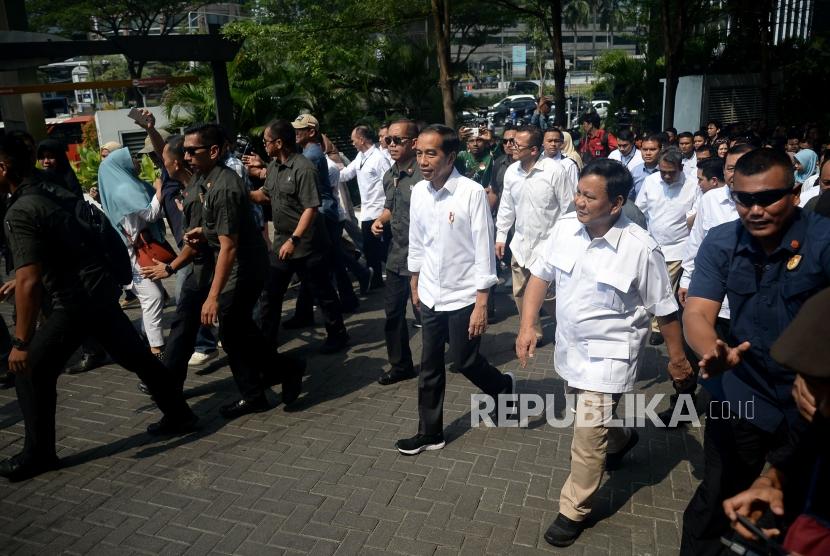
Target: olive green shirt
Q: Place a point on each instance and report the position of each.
(398, 183)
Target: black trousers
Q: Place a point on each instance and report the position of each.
(395, 298)
(734, 453)
(52, 345)
(432, 379)
(374, 248)
(313, 271)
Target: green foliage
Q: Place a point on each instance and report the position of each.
(148, 171)
(87, 167)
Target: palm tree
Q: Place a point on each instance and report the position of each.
(574, 14)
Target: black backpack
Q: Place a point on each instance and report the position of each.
(98, 236)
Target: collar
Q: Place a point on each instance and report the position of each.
(537, 165)
(407, 170)
(28, 181)
(612, 236)
(792, 240)
(289, 162)
(450, 185)
(368, 152)
(211, 176)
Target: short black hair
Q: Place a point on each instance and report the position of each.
(366, 132)
(590, 117)
(209, 133)
(17, 156)
(716, 123)
(536, 137)
(510, 127)
(662, 136)
(283, 130)
(741, 148)
(449, 138)
(705, 149)
(411, 126)
(554, 130)
(699, 133)
(175, 144)
(759, 161)
(625, 135)
(671, 130)
(618, 180)
(711, 168)
(658, 138)
(685, 135)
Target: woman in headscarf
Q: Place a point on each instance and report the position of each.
(134, 206)
(805, 165)
(569, 150)
(52, 156)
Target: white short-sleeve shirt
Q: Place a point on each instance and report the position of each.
(607, 290)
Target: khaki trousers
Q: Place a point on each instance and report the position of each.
(521, 276)
(592, 441)
(675, 271)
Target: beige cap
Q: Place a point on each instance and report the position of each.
(111, 146)
(305, 120)
(148, 144)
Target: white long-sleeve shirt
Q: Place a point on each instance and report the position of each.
(665, 208)
(607, 290)
(570, 167)
(716, 208)
(634, 158)
(451, 242)
(369, 166)
(133, 223)
(533, 202)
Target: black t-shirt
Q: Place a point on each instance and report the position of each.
(39, 230)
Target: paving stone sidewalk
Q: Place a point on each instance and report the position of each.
(325, 478)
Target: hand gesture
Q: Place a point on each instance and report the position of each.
(155, 272)
(680, 371)
(194, 236)
(722, 358)
(752, 503)
(478, 321)
(287, 250)
(253, 161)
(210, 311)
(377, 228)
(525, 345)
(499, 250)
(148, 120)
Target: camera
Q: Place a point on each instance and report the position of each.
(242, 146)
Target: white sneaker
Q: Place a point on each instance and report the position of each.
(198, 359)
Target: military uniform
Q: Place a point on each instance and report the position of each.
(82, 300)
(398, 183)
(226, 211)
(292, 188)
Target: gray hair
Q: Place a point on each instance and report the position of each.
(672, 155)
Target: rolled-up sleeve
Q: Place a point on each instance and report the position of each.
(655, 286)
(481, 224)
(416, 236)
(711, 269)
(541, 266)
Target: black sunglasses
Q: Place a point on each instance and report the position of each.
(193, 150)
(389, 139)
(762, 198)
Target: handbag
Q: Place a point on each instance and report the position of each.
(148, 250)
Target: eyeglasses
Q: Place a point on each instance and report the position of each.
(389, 139)
(193, 150)
(519, 147)
(762, 198)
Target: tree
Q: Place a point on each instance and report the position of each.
(440, 12)
(574, 14)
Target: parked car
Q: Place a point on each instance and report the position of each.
(523, 108)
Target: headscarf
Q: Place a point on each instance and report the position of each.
(63, 174)
(122, 193)
(807, 158)
(569, 150)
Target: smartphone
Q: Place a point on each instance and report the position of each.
(474, 133)
(136, 115)
(772, 545)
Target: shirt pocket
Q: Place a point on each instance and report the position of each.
(565, 264)
(612, 287)
(611, 358)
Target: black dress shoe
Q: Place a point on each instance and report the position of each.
(244, 407)
(396, 375)
(614, 461)
(292, 384)
(295, 324)
(170, 426)
(16, 469)
(143, 388)
(87, 363)
(334, 343)
(563, 531)
(656, 339)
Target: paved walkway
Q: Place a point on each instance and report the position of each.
(326, 479)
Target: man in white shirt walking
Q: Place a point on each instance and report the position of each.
(369, 166)
(610, 279)
(552, 144)
(626, 152)
(666, 198)
(536, 191)
(453, 267)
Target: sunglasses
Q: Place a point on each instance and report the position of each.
(193, 150)
(762, 198)
(389, 139)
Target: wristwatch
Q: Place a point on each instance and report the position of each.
(294, 239)
(169, 270)
(19, 344)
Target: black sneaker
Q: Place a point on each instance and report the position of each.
(244, 407)
(420, 443)
(614, 461)
(168, 426)
(563, 531)
(396, 375)
(17, 469)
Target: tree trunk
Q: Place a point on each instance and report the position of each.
(594, 35)
(440, 20)
(672, 25)
(554, 33)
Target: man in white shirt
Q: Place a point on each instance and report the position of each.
(709, 176)
(610, 279)
(453, 267)
(650, 150)
(686, 144)
(369, 166)
(626, 152)
(552, 144)
(665, 199)
(536, 191)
